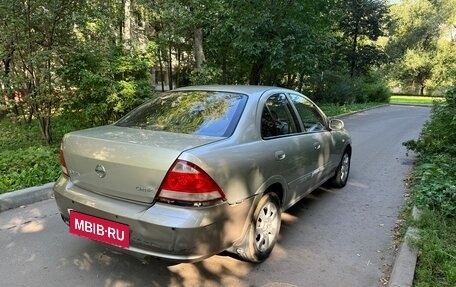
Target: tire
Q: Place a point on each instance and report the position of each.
(343, 170)
(263, 231)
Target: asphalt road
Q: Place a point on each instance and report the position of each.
(331, 238)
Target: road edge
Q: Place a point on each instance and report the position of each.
(405, 262)
(359, 111)
(26, 196)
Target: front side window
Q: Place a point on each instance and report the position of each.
(277, 118)
(311, 118)
(190, 112)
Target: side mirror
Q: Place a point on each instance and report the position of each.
(336, 125)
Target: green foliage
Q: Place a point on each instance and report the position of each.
(439, 134)
(334, 87)
(34, 36)
(436, 188)
(436, 171)
(269, 42)
(422, 52)
(24, 160)
(361, 23)
(437, 245)
(333, 110)
(28, 167)
(411, 99)
(434, 192)
(108, 83)
(14, 136)
(374, 89)
(205, 75)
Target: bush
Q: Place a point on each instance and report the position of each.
(104, 84)
(205, 76)
(436, 184)
(28, 167)
(24, 161)
(436, 171)
(339, 88)
(434, 192)
(332, 87)
(377, 92)
(439, 134)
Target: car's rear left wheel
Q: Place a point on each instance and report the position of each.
(263, 230)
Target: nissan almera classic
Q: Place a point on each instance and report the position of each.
(200, 170)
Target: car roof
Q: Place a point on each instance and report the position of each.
(243, 89)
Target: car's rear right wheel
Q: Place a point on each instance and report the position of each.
(263, 230)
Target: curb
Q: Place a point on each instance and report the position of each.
(405, 262)
(359, 111)
(25, 196)
(412, 104)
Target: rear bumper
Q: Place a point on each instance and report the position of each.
(162, 230)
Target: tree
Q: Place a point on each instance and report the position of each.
(107, 73)
(269, 42)
(35, 34)
(91, 56)
(421, 48)
(361, 23)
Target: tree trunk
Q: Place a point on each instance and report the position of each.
(170, 68)
(354, 50)
(160, 62)
(178, 68)
(300, 83)
(10, 95)
(255, 72)
(198, 48)
(126, 32)
(45, 127)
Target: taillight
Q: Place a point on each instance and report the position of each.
(186, 183)
(62, 162)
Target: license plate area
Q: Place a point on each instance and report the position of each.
(99, 229)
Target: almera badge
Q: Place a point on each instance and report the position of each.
(99, 229)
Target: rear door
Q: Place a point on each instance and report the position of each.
(290, 152)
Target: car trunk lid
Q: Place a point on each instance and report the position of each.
(124, 162)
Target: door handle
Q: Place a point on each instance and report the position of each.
(317, 146)
(279, 155)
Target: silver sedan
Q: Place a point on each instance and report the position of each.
(200, 170)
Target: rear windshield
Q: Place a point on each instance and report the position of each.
(189, 112)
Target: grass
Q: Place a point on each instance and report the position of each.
(332, 110)
(417, 100)
(437, 251)
(434, 193)
(25, 159)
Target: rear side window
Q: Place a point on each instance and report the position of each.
(189, 112)
(277, 118)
